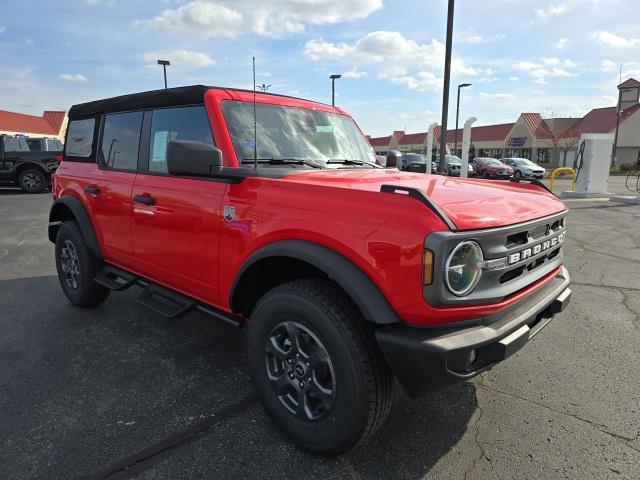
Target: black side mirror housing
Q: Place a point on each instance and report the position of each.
(393, 159)
(193, 159)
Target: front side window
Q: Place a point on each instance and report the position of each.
(80, 138)
(120, 141)
(34, 145)
(292, 133)
(168, 124)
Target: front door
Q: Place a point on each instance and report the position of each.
(176, 220)
(108, 186)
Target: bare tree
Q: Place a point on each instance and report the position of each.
(564, 135)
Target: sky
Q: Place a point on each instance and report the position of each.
(553, 57)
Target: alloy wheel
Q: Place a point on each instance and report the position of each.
(300, 371)
(70, 265)
(31, 182)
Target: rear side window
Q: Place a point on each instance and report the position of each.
(80, 137)
(34, 145)
(183, 123)
(120, 141)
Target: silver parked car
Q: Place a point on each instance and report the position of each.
(453, 165)
(524, 168)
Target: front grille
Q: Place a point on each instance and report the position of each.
(529, 249)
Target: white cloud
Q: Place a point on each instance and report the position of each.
(397, 58)
(514, 79)
(561, 72)
(354, 73)
(552, 11)
(470, 37)
(321, 50)
(421, 81)
(181, 57)
(2, 29)
(69, 77)
(612, 40)
(551, 61)
(497, 95)
(274, 18)
(608, 65)
(534, 69)
(561, 43)
(207, 19)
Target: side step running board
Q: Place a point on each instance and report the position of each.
(161, 300)
(114, 279)
(165, 302)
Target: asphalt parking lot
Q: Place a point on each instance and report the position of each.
(119, 391)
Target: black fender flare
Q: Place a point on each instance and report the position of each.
(364, 293)
(57, 216)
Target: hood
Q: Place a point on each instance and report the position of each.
(471, 204)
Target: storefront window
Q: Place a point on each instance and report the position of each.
(544, 156)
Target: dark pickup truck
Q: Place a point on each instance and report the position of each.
(30, 170)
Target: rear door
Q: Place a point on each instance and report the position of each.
(176, 220)
(109, 184)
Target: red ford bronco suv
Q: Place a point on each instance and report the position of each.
(269, 211)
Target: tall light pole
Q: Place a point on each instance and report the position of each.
(165, 64)
(333, 78)
(462, 85)
(445, 91)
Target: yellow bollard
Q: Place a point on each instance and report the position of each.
(562, 170)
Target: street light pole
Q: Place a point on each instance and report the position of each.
(462, 85)
(165, 64)
(333, 88)
(445, 90)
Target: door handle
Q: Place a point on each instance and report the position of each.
(146, 199)
(93, 190)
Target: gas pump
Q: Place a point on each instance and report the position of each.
(592, 166)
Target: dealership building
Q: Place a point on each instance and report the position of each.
(52, 124)
(551, 142)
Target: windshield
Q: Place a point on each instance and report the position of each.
(414, 158)
(524, 161)
(490, 161)
(295, 133)
(453, 159)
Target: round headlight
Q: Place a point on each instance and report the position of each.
(463, 268)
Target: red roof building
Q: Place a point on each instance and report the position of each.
(50, 124)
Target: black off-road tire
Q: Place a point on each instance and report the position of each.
(363, 381)
(32, 180)
(83, 291)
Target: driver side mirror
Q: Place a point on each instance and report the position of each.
(193, 159)
(393, 159)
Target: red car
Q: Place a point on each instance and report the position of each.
(273, 215)
(486, 167)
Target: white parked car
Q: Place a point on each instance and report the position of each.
(524, 168)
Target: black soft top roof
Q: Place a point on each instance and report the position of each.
(169, 97)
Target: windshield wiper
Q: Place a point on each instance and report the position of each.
(347, 161)
(283, 161)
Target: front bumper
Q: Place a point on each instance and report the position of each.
(425, 359)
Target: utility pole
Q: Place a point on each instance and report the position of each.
(333, 78)
(165, 64)
(445, 90)
(462, 85)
